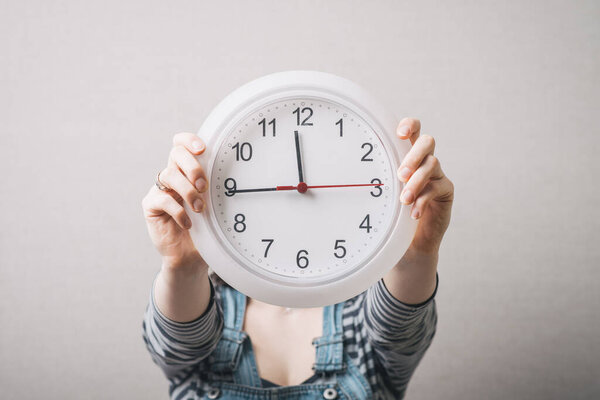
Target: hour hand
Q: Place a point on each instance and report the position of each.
(298, 157)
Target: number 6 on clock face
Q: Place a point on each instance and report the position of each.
(303, 190)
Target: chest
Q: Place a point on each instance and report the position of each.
(282, 342)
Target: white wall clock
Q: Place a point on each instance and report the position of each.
(303, 203)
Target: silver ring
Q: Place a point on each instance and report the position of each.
(161, 185)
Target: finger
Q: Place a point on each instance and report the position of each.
(429, 170)
(190, 141)
(154, 189)
(189, 165)
(173, 194)
(423, 147)
(441, 188)
(409, 128)
(174, 178)
(158, 203)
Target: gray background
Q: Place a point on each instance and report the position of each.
(92, 92)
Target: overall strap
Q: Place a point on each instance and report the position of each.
(226, 356)
(234, 307)
(330, 346)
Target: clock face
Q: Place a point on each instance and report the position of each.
(303, 188)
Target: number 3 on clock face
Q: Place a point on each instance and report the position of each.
(303, 193)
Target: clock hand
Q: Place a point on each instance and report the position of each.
(252, 190)
(335, 186)
(271, 189)
(299, 187)
(298, 157)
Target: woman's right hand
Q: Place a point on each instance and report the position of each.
(167, 221)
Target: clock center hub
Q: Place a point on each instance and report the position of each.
(302, 187)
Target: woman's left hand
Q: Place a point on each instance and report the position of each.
(426, 187)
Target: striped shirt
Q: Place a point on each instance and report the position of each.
(384, 337)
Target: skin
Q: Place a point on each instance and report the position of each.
(285, 355)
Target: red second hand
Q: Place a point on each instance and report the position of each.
(302, 186)
(334, 186)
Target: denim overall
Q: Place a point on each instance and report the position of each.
(233, 356)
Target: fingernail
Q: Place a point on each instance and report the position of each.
(406, 197)
(403, 131)
(198, 205)
(187, 223)
(416, 214)
(197, 145)
(404, 174)
(201, 185)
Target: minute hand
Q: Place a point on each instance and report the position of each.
(272, 189)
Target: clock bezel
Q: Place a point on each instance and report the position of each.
(298, 291)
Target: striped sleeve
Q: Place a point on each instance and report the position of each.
(175, 346)
(399, 333)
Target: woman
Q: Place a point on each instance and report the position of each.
(213, 342)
